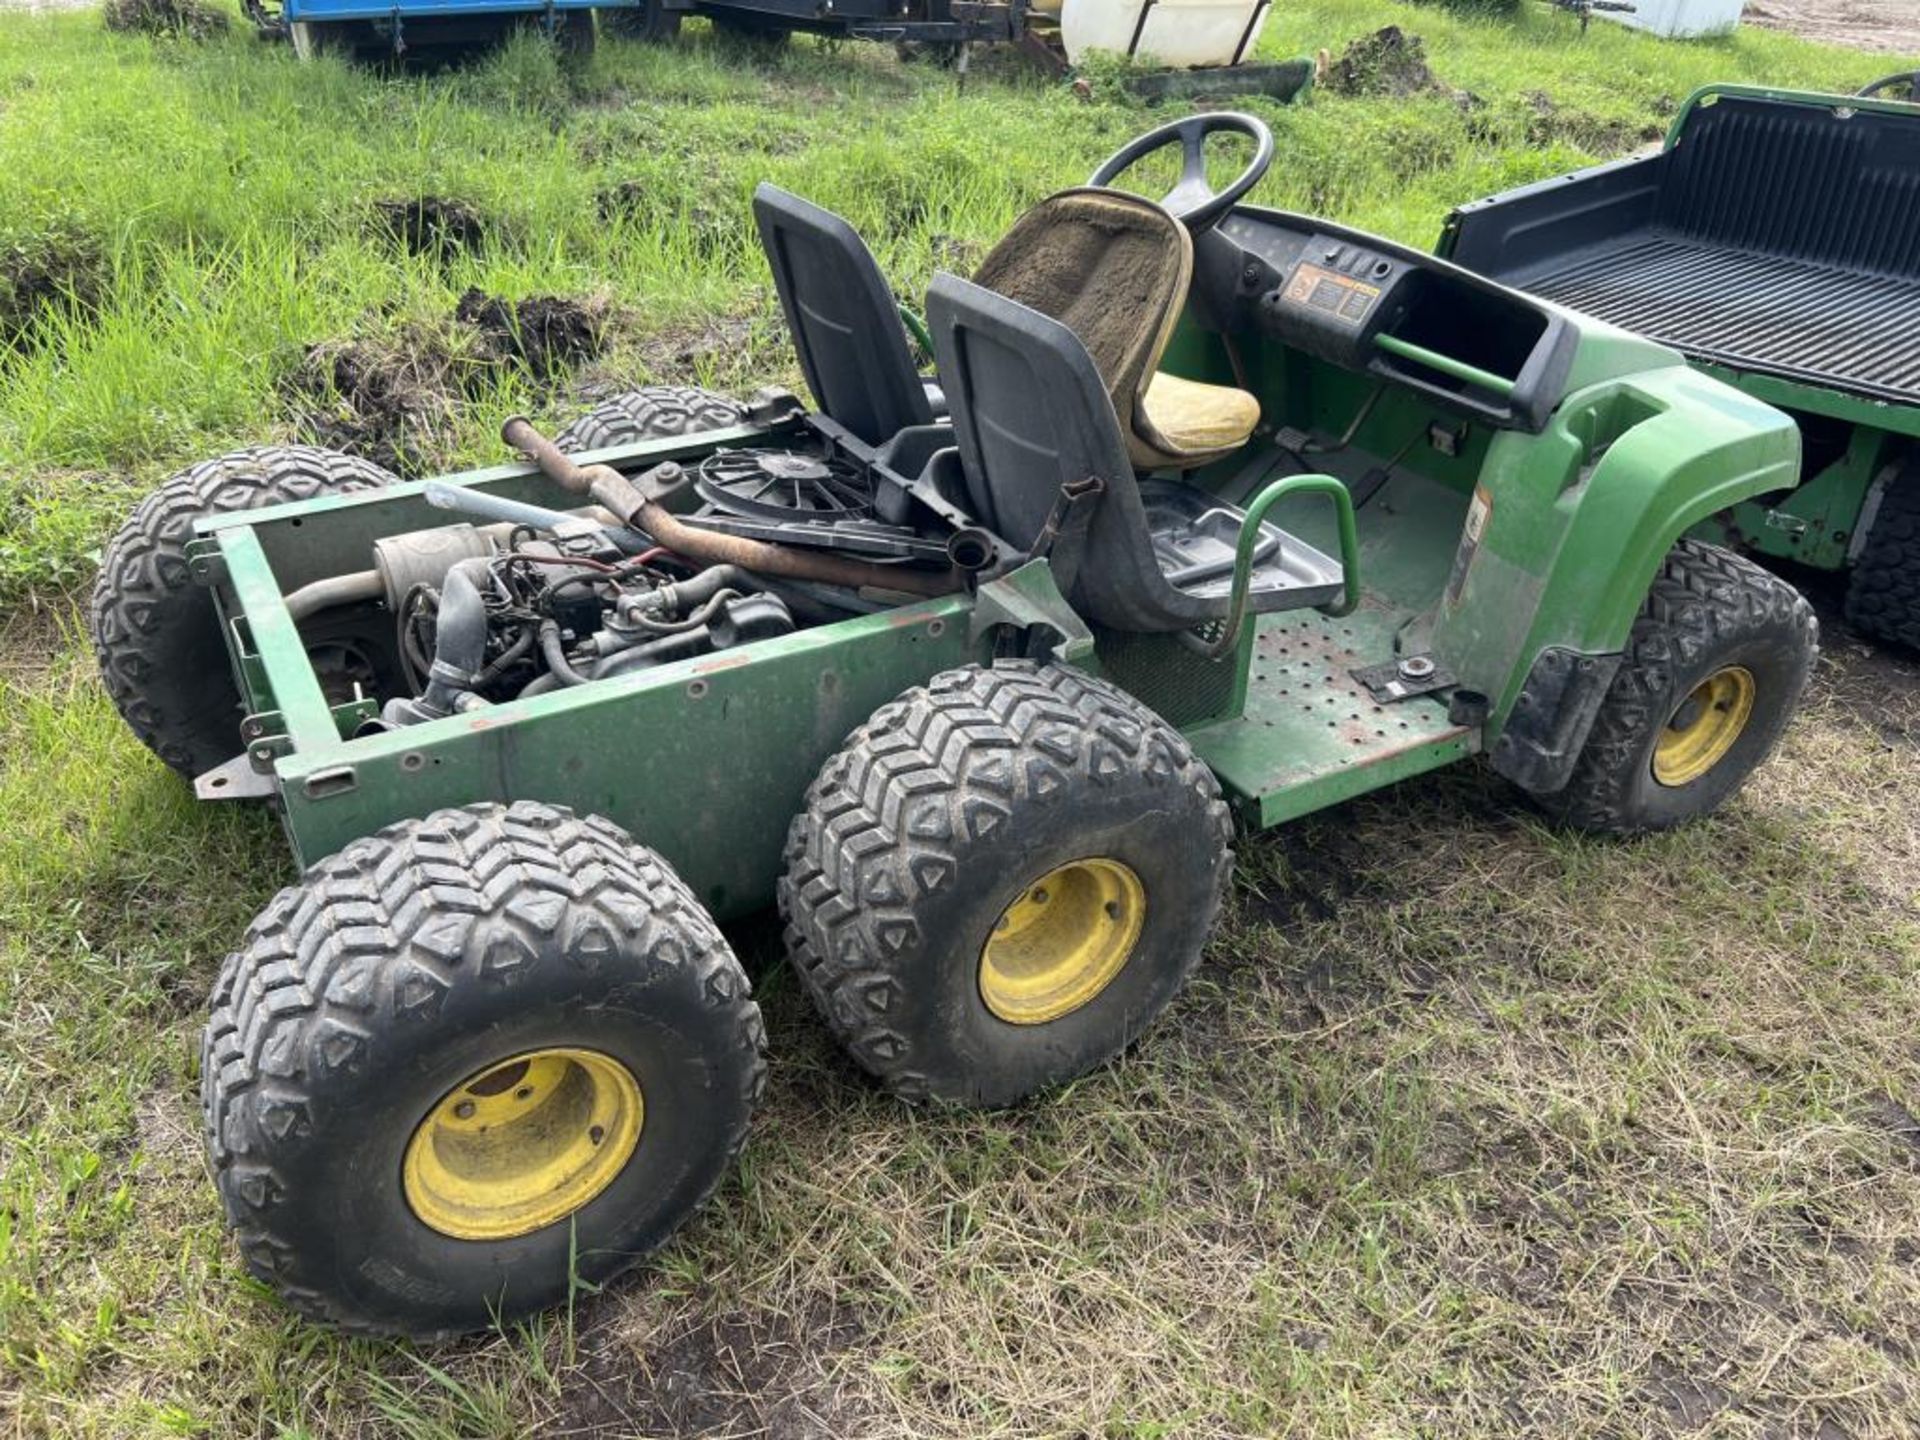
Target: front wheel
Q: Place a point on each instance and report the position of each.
(470, 1063)
(1002, 880)
(1713, 671)
(653, 412)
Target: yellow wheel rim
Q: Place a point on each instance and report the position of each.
(523, 1143)
(1062, 942)
(1703, 728)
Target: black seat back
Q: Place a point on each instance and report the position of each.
(846, 327)
(1030, 414)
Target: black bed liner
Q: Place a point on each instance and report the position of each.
(1779, 235)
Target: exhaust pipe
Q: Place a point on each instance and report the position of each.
(610, 488)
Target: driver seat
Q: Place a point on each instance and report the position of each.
(1114, 269)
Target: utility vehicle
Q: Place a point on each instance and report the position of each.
(972, 672)
(1775, 240)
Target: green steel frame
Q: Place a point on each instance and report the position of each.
(1485, 549)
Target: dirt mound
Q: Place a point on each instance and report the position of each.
(545, 335)
(1387, 62)
(45, 273)
(393, 401)
(431, 226)
(188, 18)
(396, 397)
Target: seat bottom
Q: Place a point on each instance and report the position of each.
(1189, 420)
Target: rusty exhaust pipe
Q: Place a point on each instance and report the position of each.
(610, 488)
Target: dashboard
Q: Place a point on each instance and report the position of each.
(1364, 303)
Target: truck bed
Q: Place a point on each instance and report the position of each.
(1776, 235)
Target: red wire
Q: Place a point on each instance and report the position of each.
(580, 560)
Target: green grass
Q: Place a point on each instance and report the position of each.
(1468, 1127)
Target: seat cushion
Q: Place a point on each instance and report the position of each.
(1189, 421)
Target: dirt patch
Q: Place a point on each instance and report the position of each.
(394, 398)
(1889, 26)
(43, 274)
(724, 351)
(1548, 124)
(739, 1373)
(189, 19)
(392, 401)
(1388, 62)
(431, 226)
(545, 335)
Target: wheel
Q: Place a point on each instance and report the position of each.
(649, 20)
(653, 412)
(470, 1062)
(1883, 594)
(573, 34)
(1001, 880)
(749, 29)
(312, 39)
(155, 630)
(1713, 670)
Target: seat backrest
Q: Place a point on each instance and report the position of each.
(1114, 269)
(1031, 413)
(846, 326)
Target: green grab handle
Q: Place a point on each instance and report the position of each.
(1282, 489)
(917, 328)
(1445, 364)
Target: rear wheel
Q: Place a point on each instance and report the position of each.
(1883, 594)
(155, 629)
(750, 30)
(1713, 671)
(469, 1063)
(653, 412)
(649, 20)
(1002, 880)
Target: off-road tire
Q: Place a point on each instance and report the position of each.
(574, 35)
(403, 966)
(1883, 594)
(756, 34)
(653, 412)
(650, 21)
(155, 629)
(1707, 609)
(937, 814)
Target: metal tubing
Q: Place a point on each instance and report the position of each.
(333, 591)
(1256, 516)
(618, 494)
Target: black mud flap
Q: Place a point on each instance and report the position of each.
(1552, 717)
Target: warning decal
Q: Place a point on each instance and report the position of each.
(1340, 297)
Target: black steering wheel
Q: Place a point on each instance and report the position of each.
(1192, 199)
(1909, 80)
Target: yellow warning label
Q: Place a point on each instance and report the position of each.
(1339, 297)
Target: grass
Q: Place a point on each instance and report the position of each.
(1468, 1126)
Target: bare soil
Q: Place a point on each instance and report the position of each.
(1892, 26)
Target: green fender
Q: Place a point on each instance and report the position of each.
(1569, 528)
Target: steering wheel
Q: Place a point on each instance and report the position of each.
(1192, 199)
(1907, 79)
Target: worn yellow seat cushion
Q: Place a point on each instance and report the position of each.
(1190, 418)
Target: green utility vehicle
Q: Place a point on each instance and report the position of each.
(1775, 240)
(972, 672)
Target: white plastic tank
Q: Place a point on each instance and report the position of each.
(1680, 19)
(1186, 34)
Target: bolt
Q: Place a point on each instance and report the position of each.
(525, 1092)
(464, 1110)
(1113, 909)
(1416, 667)
(596, 1134)
(1040, 897)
